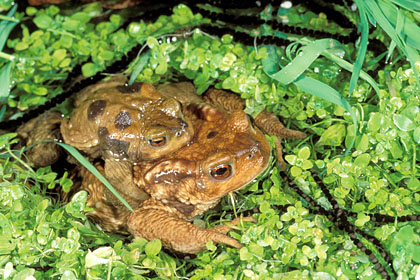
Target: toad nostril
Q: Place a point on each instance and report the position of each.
(211, 134)
(182, 123)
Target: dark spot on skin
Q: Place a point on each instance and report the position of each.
(117, 148)
(96, 109)
(103, 132)
(212, 134)
(122, 120)
(130, 89)
(185, 209)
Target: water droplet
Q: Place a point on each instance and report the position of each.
(286, 5)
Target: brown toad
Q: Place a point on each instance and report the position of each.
(229, 102)
(126, 122)
(224, 155)
(119, 123)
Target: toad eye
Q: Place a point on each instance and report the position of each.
(221, 171)
(157, 142)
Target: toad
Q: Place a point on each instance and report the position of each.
(191, 180)
(230, 102)
(119, 123)
(224, 155)
(126, 124)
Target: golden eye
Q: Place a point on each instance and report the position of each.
(157, 141)
(221, 171)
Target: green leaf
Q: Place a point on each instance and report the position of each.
(416, 135)
(363, 144)
(292, 159)
(302, 61)
(244, 254)
(26, 273)
(362, 160)
(361, 219)
(295, 171)
(351, 68)
(2, 111)
(333, 136)
(5, 82)
(43, 21)
(306, 164)
(413, 184)
(409, 29)
(75, 153)
(270, 64)
(162, 68)
(375, 122)
(153, 247)
(383, 12)
(364, 30)
(139, 67)
(89, 69)
(412, 5)
(152, 42)
(304, 153)
(403, 122)
(106, 55)
(326, 92)
(59, 55)
(6, 27)
(68, 275)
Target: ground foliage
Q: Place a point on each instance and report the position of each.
(41, 238)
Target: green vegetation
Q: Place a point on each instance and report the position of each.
(41, 238)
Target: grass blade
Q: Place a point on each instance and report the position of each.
(139, 67)
(364, 27)
(75, 153)
(411, 5)
(405, 28)
(376, 12)
(303, 60)
(2, 111)
(6, 27)
(5, 83)
(313, 87)
(326, 92)
(350, 67)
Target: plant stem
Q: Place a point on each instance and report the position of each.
(7, 56)
(19, 160)
(3, 17)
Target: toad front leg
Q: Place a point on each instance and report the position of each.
(178, 234)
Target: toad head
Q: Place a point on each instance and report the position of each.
(223, 156)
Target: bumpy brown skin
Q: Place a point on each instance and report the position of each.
(109, 217)
(121, 121)
(229, 102)
(225, 155)
(267, 122)
(45, 126)
(124, 124)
